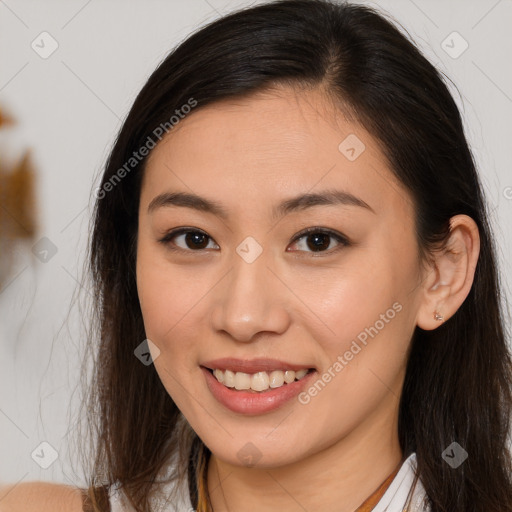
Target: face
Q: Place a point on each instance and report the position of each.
(249, 284)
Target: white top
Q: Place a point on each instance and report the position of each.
(395, 499)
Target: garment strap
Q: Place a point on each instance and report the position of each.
(373, 499)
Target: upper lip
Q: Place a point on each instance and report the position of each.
(253, 365)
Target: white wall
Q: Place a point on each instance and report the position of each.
(69, 108)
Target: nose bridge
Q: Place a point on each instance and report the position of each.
(249, 300)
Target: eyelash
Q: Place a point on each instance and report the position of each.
(343, 241)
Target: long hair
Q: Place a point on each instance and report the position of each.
(458, 380)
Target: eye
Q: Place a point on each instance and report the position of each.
(319, 239)
(192, 238)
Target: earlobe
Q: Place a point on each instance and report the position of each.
(451, 274)
(438, 316)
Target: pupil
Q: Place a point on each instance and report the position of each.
(322, 238)
(195, 239)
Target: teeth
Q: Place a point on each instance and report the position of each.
(242, 380)
(229, 378)
(260, 381)
(276, 379)
(299, 374)
(289, 376)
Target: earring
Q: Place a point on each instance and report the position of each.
(437, 316)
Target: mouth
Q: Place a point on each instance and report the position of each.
(257, 382)
(256, 386)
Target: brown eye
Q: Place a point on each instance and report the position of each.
(190, 239)
(193, 240)
(319, 240)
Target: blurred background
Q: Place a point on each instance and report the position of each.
(69, 73)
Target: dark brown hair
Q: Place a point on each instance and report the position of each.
(458, 381)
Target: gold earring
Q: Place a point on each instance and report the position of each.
(438, 316)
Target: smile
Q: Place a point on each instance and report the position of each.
(256, 386)
(259, 381)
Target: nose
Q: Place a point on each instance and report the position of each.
(250, 300)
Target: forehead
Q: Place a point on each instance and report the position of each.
(269, 145)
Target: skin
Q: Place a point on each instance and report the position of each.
(297, 305)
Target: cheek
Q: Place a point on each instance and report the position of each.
(154, 299)
(350, 298)
(165, 293)
(362, 362)
(164, 305)
(173, 305)
(367, 325)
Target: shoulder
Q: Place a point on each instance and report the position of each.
(40, 497)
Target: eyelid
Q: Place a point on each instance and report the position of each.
(166, 239)
(340, 238)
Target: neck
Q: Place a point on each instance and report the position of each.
(362, 461)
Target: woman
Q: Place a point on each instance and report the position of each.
(296, 283)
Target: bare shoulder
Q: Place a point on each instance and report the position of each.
(40, 497)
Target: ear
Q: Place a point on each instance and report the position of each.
(450, 275)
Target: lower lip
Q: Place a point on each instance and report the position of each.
(245, 402)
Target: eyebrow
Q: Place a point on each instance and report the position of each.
(294, 204)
